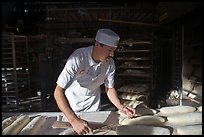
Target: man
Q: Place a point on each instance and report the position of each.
(78, 85)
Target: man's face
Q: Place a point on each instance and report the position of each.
(106, 52)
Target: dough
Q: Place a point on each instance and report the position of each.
(17, 125)
(146, 120)
(200, 109)
(189, 130)
(33, 127)
(185, 119)
(124, 115)
(140, 111)
(141, 130)
(6, 122)
(170, 110)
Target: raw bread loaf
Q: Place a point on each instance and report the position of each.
(135, 103)
(33, 127)
(189, 130)
(200, 109)
(141, 130)
(134, 88)
(171, 110)
(146, 120)
(185, 119)
(124, 115)
(132, 103)
(131, 96)
(17, 125)
(6, 122)
(187, 84)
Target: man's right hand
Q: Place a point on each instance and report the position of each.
(80, 126)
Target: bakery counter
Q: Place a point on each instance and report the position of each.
(55, 123)
(175, 120)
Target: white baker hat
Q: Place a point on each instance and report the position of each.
(107, 37)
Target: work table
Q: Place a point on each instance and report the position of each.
(105, 117)
(111, 119)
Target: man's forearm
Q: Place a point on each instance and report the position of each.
(113, 97)
(63, 104)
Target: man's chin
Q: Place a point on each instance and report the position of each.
(106, 59)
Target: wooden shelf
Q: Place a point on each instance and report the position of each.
(133, 58)
(133, 51)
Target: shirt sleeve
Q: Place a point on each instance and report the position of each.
(109, 81)
(69, 71)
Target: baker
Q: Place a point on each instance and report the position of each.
(78, 85)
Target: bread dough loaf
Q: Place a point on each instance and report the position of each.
(6, 122)
(17, 125)
(189, 130)
(140, 111)
(146, 120)
(131, 103)
(33, 127)
(141, 130)
(200, 109)
(185, 119)
(171, 110)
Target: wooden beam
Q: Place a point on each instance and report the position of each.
(128, 22)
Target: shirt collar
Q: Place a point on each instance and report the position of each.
(90, 59)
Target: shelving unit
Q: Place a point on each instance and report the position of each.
(134, 72)
(16, 94)
(192, 73)
(187, 60)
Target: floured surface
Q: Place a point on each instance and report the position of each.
(65, 125)
(95, 119)
(61, 124)
(105, 117)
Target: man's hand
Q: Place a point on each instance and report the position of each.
(129, 111)
(81, 126)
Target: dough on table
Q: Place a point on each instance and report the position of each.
(146, 120)
(33, 127)
(200, 109)
(140, 111)
(189, 130)
(141, 130)
(17, 125)
(185, 119)
(170, 110)
(6, 122)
